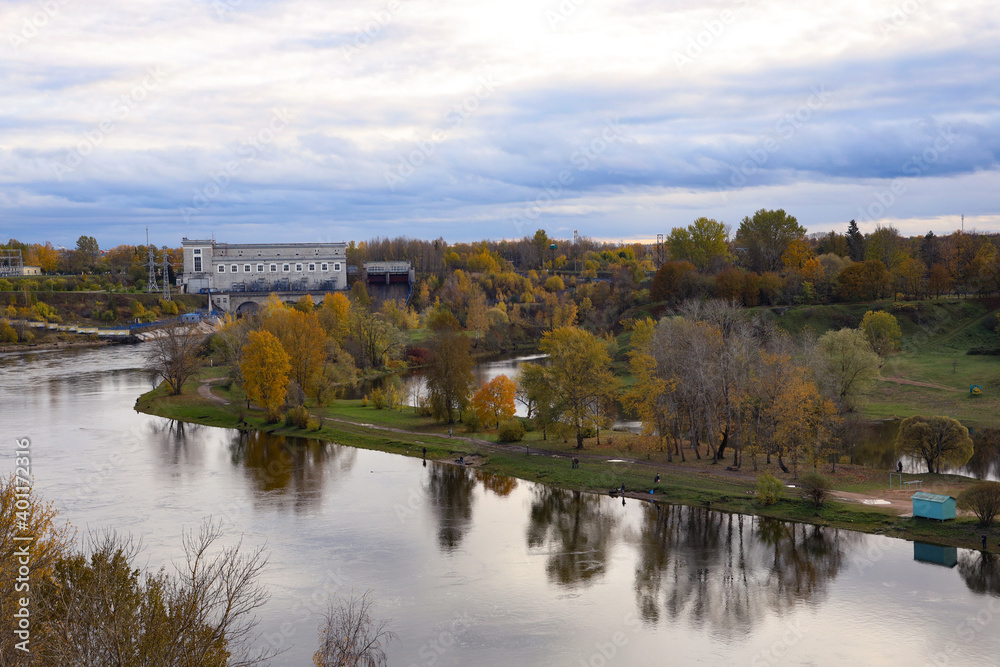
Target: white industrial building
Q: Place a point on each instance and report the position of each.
(213, 267)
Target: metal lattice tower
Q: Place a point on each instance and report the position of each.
(151, 261)
(166, 276)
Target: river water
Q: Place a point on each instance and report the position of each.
(475, 569)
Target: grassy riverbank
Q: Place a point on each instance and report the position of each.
(695, 482)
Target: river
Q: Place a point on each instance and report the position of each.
(475, 569)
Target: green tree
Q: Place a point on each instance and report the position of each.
(580, 375)
(449, 377)
(882, 331)
(765, 237)
(265, 369)
(847, 363)
(855, 242)
(936, 440)
(700, 243)
(815, 487)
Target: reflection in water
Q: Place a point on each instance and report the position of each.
(279, 467)
(728, 570)
(498, 484)
(449, 488)
(575, 529)
(981, 571)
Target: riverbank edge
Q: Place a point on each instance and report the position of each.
(699, 489)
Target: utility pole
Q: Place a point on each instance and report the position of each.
(151, 280)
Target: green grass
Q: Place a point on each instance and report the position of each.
(936, 336)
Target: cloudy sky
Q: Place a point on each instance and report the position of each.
(301, 120)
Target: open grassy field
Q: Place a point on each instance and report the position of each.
(932, 372)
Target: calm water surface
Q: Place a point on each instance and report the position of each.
(480, 570)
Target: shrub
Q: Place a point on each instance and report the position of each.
(364, 401)
(511, 430)
(983, 499)
(313, 425)
(6, 285)
(815, 487)
(769, 489)
(168, 307)
(297, 417)
(472, 423)
(7, 333)
(379, 400)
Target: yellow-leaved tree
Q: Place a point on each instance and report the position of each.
(335, 316)
(265, 371)
(494, 402)
(304, 341)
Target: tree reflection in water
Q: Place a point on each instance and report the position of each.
(981, 571)
(498, 484)
(727, 570)
(575, 530)
(449, 489)
(278, 467)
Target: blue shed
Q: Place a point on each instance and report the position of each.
(190, 318)
(933, 506)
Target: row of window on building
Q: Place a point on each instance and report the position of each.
(272, 268)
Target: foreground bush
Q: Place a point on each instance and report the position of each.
(297, 417)
(511, 430)
(983, 499)
(769, 489)
(815, 487)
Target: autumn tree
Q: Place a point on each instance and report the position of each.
(535, 393)
(494, 401)
(476, 318)
(449, 377)
(936, 440)
(672, 281)
(765, 237)
(882, 331)
(24, 514)
(847, 363)
(335, 316)
(580, 375)
(100, 608)
(173, 355)
(304, 341)
(265, 368)
(701, 243)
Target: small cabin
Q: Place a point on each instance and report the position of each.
(190, 318)
(933, 506)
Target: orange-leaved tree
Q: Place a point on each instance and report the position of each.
(265, 371)
(494, 402)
